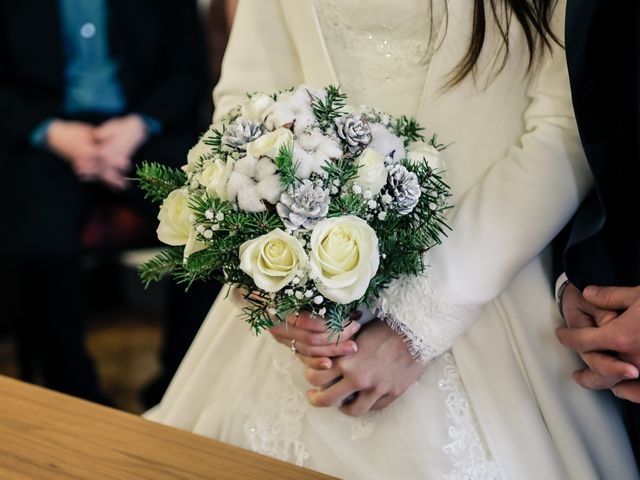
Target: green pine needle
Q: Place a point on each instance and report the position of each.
(158, 181)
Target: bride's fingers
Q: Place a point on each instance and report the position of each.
(364, 401)
(317, 363)
(332, 396)
(333, 350)
(383, 402)
(321, 378)
(313, 338)
(307, 321)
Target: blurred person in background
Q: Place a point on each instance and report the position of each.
(88, 88)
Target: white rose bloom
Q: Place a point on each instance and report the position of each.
(175, 224)
(215, 176)
(273, 260)
(268, 145)
(193, 244)
(255, 107)
(199, 151)
(372, 174)
(386, 142)
(419, 152)
(344, 257)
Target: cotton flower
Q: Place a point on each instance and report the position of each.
(254, 182)
(387, 143)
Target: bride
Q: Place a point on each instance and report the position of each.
(492, 396)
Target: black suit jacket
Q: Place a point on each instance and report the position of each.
(603, 53)
(158, 45)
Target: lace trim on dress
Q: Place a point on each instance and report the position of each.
(466, 450)
(430, 322)
(275, 429)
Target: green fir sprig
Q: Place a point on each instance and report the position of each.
(158, 181)
(327, 110)
(409, 129)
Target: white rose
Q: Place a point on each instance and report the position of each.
(268, 145)
(344, 257)
(215, 176)
(420, 152)
(175, 225)
(254, 108)
(193, 245)
(372, 174)
(272, 260)
(199, 151)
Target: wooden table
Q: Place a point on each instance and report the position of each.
(48, 435)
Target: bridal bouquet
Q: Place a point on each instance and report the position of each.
(306, 203)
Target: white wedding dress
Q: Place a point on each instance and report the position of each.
(496, 401)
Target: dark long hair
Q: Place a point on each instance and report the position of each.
(534, 17)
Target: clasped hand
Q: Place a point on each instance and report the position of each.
(99, 153)
(355, 374)
(603, 327)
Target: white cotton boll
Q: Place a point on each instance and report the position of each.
(310, 140)
(249, 199)
(270, 189)
(237, 183)
(299, 98)
(318, 160)
(386, 142)
(264, 168)
(304, 163)
(330, 149)
(304, 121)
(277, 115)
(246, 166)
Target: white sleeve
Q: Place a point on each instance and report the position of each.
(260, 55)
(502, 223)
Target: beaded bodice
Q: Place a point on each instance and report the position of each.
(381, 50)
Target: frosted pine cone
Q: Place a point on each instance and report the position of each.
(306, 206)
(354, 131)
(404, 188)
(240, 132)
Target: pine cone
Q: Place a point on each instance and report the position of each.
(404, 188)
(355, 131)
(306, 206)
(240, 132)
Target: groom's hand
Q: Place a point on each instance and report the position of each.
(376, 375)
(619, 334)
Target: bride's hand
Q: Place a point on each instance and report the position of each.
(371, 379)
(312, 341)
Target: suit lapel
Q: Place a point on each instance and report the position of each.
(302, 22)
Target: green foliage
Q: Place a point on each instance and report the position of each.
(284, 162)
(327, 110)
(213, 138)
(158, 181)
(164, 263)
(409, 128)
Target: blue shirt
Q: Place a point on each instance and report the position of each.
(91, 75)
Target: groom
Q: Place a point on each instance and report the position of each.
(603, 246)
